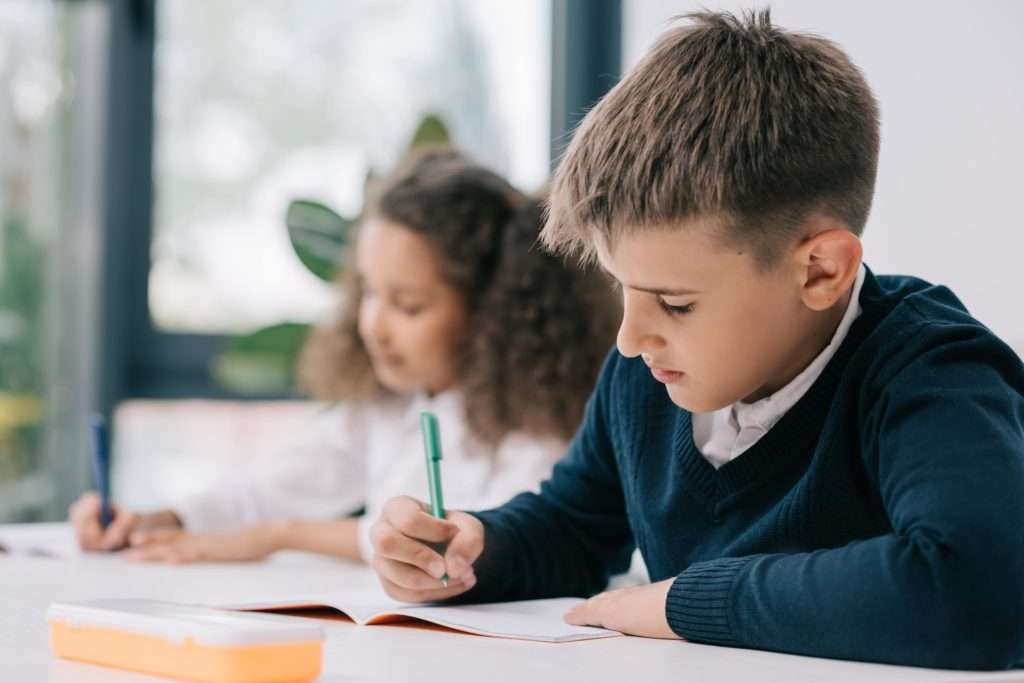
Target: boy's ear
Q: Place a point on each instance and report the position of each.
(827, 263)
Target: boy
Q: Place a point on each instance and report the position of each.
(810, 458)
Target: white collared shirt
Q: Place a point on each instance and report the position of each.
(725, 434)
(355, 456)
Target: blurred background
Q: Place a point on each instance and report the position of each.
(150, 151)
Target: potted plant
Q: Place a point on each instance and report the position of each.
(263, 362)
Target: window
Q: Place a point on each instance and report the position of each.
(257, 103)
(45, 85)
(144, 174)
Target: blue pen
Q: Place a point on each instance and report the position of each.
(101, 466)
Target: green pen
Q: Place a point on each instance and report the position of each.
(432, 449)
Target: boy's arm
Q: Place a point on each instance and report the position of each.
(569, 538)
(946, 587)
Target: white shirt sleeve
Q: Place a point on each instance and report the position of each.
(521, 463)
(322, 475)
(363, 537)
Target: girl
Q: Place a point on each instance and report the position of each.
(449, 307)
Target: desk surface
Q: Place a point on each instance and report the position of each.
(375, 653)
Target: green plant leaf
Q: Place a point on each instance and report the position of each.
(430, 131)
(318, 235)
(262, 362)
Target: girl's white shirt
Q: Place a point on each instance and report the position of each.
(356, 456)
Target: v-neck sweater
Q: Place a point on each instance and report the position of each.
(880, 519)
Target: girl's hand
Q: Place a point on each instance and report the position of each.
(406, 561)
(84, 515)
(636, 611)
(177, 546)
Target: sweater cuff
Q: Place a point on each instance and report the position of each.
(497, 570)
(699, 601)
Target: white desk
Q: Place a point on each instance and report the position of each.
(378, 653)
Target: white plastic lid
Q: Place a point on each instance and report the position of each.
(175, 623)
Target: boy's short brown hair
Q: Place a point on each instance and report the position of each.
(726, 117)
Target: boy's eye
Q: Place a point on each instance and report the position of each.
(675, 310)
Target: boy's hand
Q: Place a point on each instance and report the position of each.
(636, 611)
(177, 546)
(408, 566)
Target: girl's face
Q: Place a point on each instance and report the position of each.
(411, 321)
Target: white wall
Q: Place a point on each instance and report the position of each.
(950, 81)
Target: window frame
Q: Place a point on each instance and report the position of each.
(137, 360)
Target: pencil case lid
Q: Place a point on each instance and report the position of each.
(177, 623)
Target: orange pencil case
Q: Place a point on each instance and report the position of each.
(182, 641)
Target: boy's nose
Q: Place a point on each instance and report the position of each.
(634, 338)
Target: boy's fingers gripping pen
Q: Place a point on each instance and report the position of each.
(432, 449)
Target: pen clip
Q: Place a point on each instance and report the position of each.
(431, 436)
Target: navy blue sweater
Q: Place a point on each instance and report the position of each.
(881, 519)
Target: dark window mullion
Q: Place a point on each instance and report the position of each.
(585, 62)
(127, 197)
(137, 360)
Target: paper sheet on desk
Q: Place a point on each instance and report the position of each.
(540, 620)
(42, 540)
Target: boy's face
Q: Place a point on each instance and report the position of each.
(711, 326)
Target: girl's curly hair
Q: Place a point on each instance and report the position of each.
(538, 328)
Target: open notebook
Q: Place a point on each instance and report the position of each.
(540, 620)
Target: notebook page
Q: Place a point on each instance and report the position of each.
(540, 620)
(42, 540)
